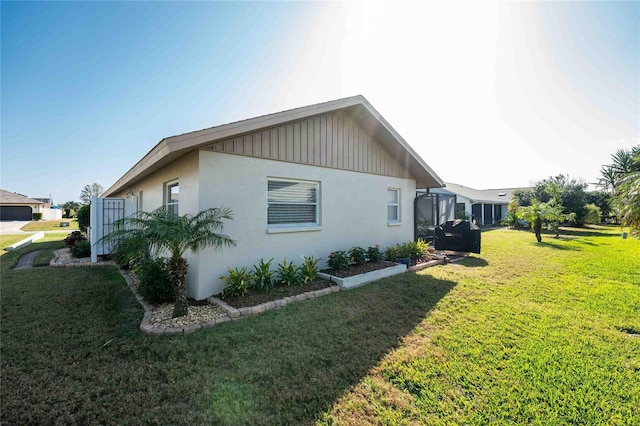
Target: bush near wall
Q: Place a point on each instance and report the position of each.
(37, 216)
(154, 285)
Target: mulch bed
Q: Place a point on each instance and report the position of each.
(254, 298)
(359, 269)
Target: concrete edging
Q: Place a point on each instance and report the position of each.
(25, 242)
(237, 313)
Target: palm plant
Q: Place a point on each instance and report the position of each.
(626, 190)
(627, 202)
(163, 231)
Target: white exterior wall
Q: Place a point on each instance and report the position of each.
(353, 212)
(185, 171)
(50, 214)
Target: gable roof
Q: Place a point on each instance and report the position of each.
(494, 196)
(174, 147)
(7, 197)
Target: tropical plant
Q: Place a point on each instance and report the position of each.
(126, 256)
(374, 254)
(539, 213)
(288, 273)
(309, 269)
(163, 231)
(358, 255)
(625, 187)
(418, 249)
(237, 282)
(263, 275)
(627, 202)
(338, 260)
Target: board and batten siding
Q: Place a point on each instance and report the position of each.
(332, 140)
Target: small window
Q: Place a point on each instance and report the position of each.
(393, 205)
(172, 196)
(292, 203)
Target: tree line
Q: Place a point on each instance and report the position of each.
(561, 199)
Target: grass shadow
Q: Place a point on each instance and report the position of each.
(590, 231)
(318, 350)
(556, 246)
(282, 367)
(473, 262)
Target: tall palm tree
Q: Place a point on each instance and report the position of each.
(627, 200)
(163, 231)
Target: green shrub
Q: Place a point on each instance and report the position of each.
(237, 282)
(358, 255)
(338, 260)
(392, 253)
(81, 249)
(82, 216)
(374, 254)
(462, 215)
(417, 249)
(73, 238)
(594, 215)
(37, 216)
(154, 284)
(309, 269)
(263, 275)
(288, 273)
(404, 251)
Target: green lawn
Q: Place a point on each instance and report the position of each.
(51, 225)
(526, 333)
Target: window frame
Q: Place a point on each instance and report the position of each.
(397, 204)
(167, 196)
(294, 226)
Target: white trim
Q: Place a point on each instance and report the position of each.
(167, 194)
(285, 229)
(397, 205)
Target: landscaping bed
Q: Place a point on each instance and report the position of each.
(359, 269)
(253, 298)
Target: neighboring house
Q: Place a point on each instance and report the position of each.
(14, 206)
(484, 206)
(49, 211)
(306, 181)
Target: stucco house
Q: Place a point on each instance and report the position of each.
(484, 206)
(14, 206)
(306, 181)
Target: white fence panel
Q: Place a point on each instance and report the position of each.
(104, 214)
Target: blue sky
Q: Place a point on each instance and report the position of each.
(525, 90)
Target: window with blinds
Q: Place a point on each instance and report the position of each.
(292, 202)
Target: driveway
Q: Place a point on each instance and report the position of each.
(12, 227)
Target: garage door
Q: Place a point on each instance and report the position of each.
(15, 213)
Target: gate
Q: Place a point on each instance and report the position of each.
(431, 210)
(104, 214)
